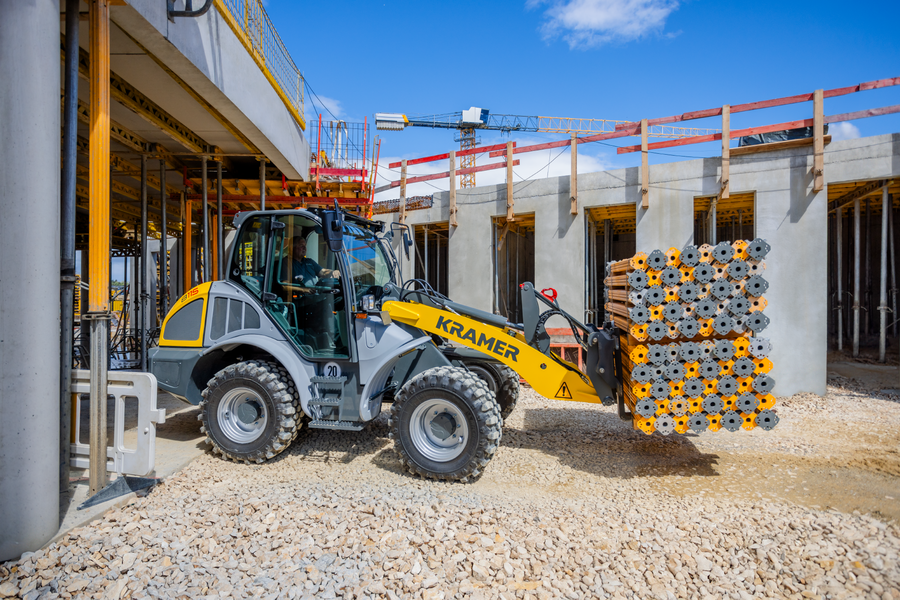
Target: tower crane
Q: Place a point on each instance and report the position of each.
(466, 122)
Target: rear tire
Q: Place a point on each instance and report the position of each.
(248, 411)
(501, 380)
(445, 424)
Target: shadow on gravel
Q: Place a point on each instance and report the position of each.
(599, 443)
(182, 427)
(343, 447)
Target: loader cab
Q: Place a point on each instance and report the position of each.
(286, 260)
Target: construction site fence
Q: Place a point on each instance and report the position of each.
(251, 24)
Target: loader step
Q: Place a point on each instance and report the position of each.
(325, 401)
(328, 380)
(341, 425)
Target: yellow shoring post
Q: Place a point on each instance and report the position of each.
(99, 242)
(187, 239)
(98, 257)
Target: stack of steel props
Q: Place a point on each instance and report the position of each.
(689, 321)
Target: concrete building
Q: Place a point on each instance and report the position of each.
(779, 206)
(183, 90)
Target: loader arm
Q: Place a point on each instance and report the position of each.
(546, 372)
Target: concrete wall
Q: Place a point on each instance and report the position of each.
(206, 53)
(559, 240)
(788, 214)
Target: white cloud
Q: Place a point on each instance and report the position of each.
(589, 23)
(533, 165)
(329, 104)
(844, 131)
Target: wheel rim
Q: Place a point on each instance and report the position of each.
(439, 430)
(484, 374)
(242, 415)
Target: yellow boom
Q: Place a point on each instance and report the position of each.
(547, 376)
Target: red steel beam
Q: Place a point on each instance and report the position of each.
(437, 157)
(338, 172)
(862, 114)
(297, 201)
(736, 108)
(277, 199)
(736, 133)
(422, 178)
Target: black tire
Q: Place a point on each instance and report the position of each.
(262, 386)
(467, 404)
(501, 380)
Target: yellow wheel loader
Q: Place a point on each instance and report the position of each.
(313, 327)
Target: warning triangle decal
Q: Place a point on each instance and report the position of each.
(563, 392)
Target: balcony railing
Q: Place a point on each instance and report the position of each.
(249, 21)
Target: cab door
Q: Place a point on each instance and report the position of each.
(284, 260)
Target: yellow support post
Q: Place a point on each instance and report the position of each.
(99, 241)
(186, 240)
(98, 296)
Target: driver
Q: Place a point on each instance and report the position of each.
(304, 270)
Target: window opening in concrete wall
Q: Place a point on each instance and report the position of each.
(843, 266)
(733, 218)
(513, 243)
(610, 236)
(431, 254)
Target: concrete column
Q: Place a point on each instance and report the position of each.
(669, 222)
(29, 285)
(795, 222)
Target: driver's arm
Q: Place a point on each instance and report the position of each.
(326, 273)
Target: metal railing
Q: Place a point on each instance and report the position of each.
(249, 21)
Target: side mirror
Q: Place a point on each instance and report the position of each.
(406, 243)
(333, 228)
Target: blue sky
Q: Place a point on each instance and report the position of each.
(607, 59)
(613, 59)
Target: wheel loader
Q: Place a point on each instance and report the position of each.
(313, 327)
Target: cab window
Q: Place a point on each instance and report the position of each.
(308, 294)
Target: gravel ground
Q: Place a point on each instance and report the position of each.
(575, 505)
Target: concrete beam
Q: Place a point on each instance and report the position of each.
(206, 55)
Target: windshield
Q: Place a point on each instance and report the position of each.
(369, 266)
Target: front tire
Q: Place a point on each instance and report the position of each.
(248, 411)
(446, 424)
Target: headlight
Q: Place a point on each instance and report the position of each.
(368, 303)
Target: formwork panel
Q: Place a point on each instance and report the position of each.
(514, 248)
